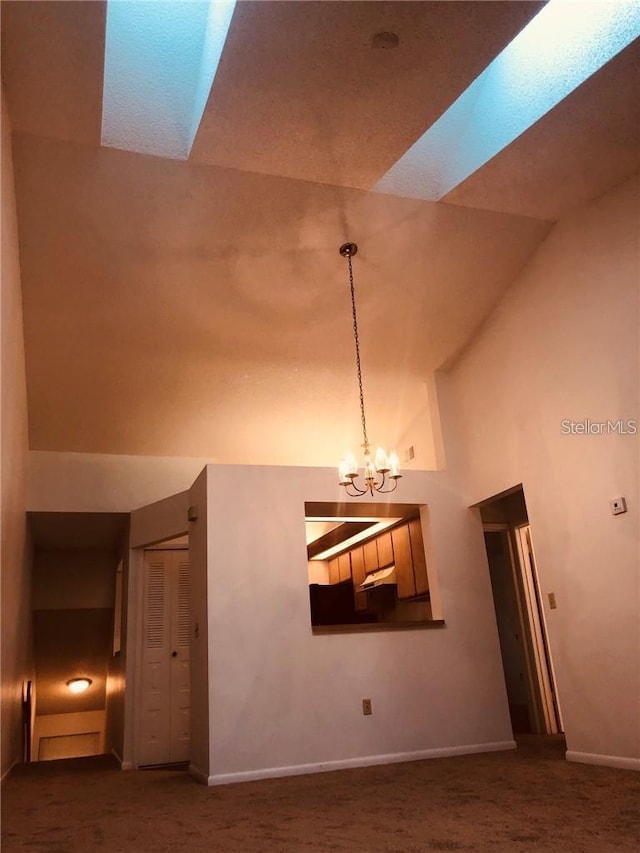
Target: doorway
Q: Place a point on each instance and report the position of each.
(164, 735)
(526, 656)
(77, 564)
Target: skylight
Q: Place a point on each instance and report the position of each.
(567, 42)
(160, 62)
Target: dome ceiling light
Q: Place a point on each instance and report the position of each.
(79, 685)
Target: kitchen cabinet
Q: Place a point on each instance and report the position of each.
(402, 546)
(334, 571)
(405, 580)
(340, 568)
(344, 566)
(358, 573)
(418, 557)
(371, 563)
(411, 565)
(385, 550)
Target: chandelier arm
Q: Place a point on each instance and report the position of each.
(357, 343)
(386, 491)
(357, 491)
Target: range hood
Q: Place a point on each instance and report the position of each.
(382, 577)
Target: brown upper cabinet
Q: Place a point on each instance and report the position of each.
(340, 568)
(403, 546)
(334, 571)
(371, 563)
(417, 554)
(385, 550)
(411, 565)
(358, 574)
(344, 566)
(405, 580)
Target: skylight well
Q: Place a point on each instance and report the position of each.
(160, 62)
(567, 42)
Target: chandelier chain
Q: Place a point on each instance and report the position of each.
(357, 342)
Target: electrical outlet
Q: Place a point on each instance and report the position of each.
(366, 707)
(618, 506)
(552, 601)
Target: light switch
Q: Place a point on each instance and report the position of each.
(552, 601)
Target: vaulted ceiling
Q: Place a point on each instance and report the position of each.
(200, 307)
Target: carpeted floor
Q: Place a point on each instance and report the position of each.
(524, 800)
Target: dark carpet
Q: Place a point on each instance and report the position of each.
(525, 800)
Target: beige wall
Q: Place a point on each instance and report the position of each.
(563, 344)
(282, 700)
(66, 578)
(16, 628)
(73, 593)
(59, 725)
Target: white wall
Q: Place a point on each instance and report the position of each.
(159, 521)
(282, 700)
(563, 344)
(15, 554)
(105, 482)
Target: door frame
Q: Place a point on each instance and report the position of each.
(539, 665)
(150, 525)
(538, 636)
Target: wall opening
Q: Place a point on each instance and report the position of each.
(368, 566)
(77, 557)
(526, 657)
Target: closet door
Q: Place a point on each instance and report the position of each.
(164, 722)
(180, 662)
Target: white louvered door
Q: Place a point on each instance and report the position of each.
(164, 730)
(180, 663)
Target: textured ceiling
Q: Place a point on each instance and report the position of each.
(201, 308)
(300, 91)
(52, 67)
(167, 303)
(587, 144)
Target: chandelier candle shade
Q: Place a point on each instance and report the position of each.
(380, 472)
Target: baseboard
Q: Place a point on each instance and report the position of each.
(6, 772)
(345, 764)
(198, 774)
(619, 761)
(124, 765)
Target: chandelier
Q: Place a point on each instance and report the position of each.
(380, 473)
